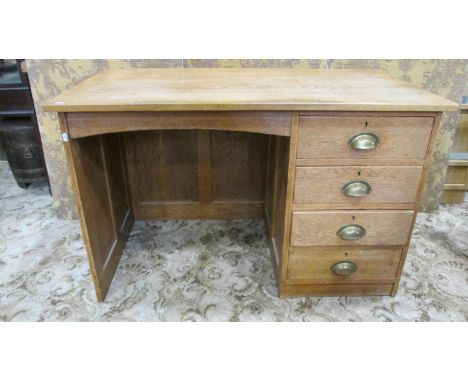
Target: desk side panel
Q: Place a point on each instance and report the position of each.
(97, 169)
(276, 198)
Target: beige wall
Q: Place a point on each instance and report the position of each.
(50, 77)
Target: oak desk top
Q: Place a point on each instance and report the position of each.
(246, 89)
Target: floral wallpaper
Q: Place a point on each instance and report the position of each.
(50, 77)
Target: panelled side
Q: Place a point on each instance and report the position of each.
(97, 169)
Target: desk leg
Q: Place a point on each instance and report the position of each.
(98, 173)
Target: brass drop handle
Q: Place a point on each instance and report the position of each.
(356, 188)
(344, 268)
(351, 232)
(364, 141)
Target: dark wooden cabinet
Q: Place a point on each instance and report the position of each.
(19, 132)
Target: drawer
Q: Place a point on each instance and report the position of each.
(320, 228)
(384, 184)
(327, 137)
(312, 265)
(456, 175)
(16, 100)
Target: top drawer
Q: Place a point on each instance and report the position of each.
(328, 137)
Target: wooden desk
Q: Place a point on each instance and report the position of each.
(256, 143)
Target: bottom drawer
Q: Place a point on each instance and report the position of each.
(342, 265)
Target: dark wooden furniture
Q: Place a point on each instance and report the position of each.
(19, 132)
(334, 161)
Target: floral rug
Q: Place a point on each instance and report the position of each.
(205, 271)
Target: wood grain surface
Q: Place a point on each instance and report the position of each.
(98, 173)
(238, 166)
(400, 137)
(319, 228)
(389, 184)
(275, 198)
(308, 265)
(245, 89)
(265, 122)
(196, 174)
(336, 290)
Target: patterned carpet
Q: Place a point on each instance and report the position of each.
(205, 271)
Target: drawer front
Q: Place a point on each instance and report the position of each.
(456, 175)
(368, 184)
(327, 137)
(311, 265)
(16, 100)
(320, 228)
